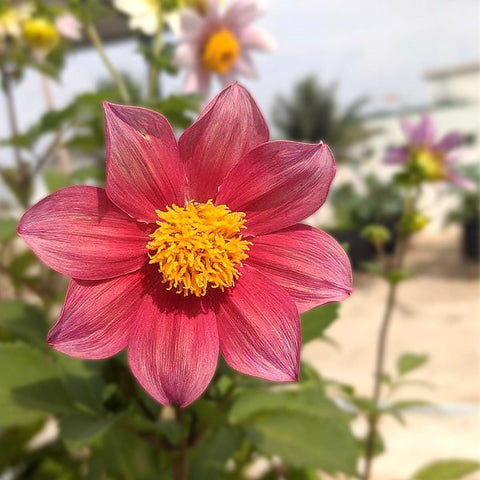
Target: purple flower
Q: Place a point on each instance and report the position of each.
(433, 160)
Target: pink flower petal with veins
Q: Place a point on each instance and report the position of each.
(227, 129)
(98, 316)
(174, 349)
(308, 263)
(80, 233)
(144, 172)
(259, 328)
(278, 184)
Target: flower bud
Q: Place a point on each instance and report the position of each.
(413, 222)
(40, 34)
(376, 234)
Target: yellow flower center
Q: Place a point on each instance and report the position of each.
(220, 51)
(40, 34)
(429, 165)
(198, 246)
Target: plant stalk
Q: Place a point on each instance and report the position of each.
(180, 455)
(381, 349)
(153, 90)
(62, 153)
(97, 43)
(14, 131)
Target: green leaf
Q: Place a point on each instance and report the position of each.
(83, 382)
(55, 180)
(408, 362)
(208, 460)
(8, 229)
(82, 429)
(454, 469)
(89, 173)
(30, 385)
(23, 322)
(303, 427)
(316, 321)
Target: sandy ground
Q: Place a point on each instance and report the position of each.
(438, 314)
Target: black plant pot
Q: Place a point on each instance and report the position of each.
(359, 250)
(471, 239)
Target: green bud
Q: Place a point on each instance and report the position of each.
(413, 222)
(376, 234)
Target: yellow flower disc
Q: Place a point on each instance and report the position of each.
(220, 51)
(198, 246)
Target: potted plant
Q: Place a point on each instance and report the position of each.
(467, 214)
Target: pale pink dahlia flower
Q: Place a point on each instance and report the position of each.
(220, 43)
(434, 160)
(193, 248)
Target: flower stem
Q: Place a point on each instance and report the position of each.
(180, 455)
(23, 178)
(97, 43)
(379, 369)
(153, 90)
(63, 156)
(381, 350)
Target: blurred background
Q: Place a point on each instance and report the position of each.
(347, 73)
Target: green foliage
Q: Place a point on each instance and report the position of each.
(30, 385)
(317, 320)
(408, 362)
(447, 470)
(21, 321)
(380, 203)
(303, 427)
(313, 114)
(8, 229)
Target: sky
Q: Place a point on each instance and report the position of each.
(371, 47)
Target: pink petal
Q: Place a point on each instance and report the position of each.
(174, 349)
(256, 38)
(308, 263)
(460, 181)
(407, 128)
(185, 56)
(279, 184)
(80, 233)
(449, 142)
(424, 133)
(259, 328)
(229, 127)
(197, 80)
(98, 316)
(244, 66)
(144, 172)
(191, 23)
(228, 78)
(242, 12)
(396, 156)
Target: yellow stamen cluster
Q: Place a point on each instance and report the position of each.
(429, 164)
(198, 246)
(220, 51)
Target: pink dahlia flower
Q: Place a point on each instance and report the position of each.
(432, 159)
(220, 43)
(192, 249)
